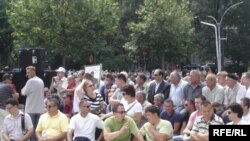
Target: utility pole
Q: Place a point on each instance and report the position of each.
(220, 30)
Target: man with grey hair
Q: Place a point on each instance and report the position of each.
(177, 90)
(214, 93)
(245, 80)
(237, 91)
(159, 101)
(195, 86)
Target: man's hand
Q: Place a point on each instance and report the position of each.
(125, 127)
(151, 128)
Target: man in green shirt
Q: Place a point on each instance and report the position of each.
(156, 129)
(119, 127)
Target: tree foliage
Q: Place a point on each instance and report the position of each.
(5, 36)
(71, 28)
(164, 30)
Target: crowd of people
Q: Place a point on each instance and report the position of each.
(122, 107)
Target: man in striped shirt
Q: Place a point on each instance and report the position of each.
(201, 125)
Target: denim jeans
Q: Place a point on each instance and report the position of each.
(34, 117)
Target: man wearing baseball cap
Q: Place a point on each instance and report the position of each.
(59, 82)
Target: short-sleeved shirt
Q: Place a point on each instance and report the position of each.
(12, 125)
(85, 126)
(112, 125)
(191, 93)
(53, 126)
(201, 126)
(214, 95)
(176, 117)
(163, 127)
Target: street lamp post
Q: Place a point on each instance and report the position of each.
(219, 25)
(216, 43)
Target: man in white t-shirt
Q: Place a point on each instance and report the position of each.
(84, 124)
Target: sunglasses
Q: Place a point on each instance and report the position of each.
(121, 112)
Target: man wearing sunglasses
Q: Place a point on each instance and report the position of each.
(119, 127)
(53, 124)
(84, 124)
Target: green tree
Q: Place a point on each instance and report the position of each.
(234, 27)
(5, 36)
(73, 29)
(164, 30)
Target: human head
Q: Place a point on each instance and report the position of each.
(245, 79)
(7, 78)
(30, 71)
(211, 80)
(195, 76)
(84, 106)
(231, 80)
(80, 74)
(198, 100)
(11, 105)
(52, 106)
(189, 105)
(70, 79)
(221, 76)
(140, 79)
(158, 75)
(128, 91)
(88, 86)
(60, 72)
(88, 76)
(245, 104)
(119, 111)
(121, 80)
(169, 106)
(140, 96)
(235, 111)
(207, 110)
(109, 79)
(152, 114)
(158, 100)
(175, 77)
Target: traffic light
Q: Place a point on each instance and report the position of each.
(197, 22)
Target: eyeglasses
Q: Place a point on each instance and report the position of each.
(121, 112)
(49, 106)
